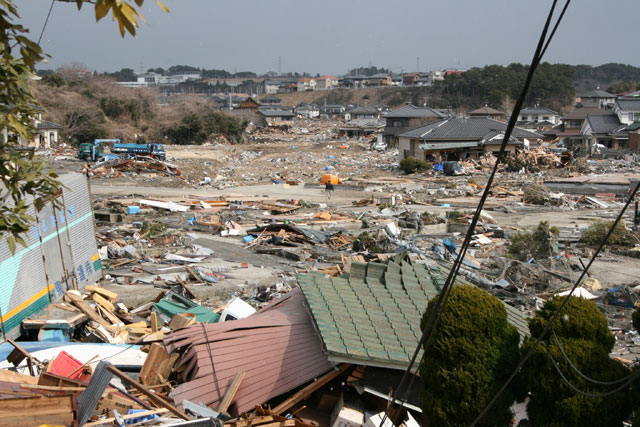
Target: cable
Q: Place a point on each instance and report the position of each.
(45, 21)
(434, 317)
(632, 377)
(618, 381)
(557, 313)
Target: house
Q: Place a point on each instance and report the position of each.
(538, 118)
(271, 86)
(272, 116)
(569, 133)
(365, 112)
(410, 79)
(270, 100)
(361, 127)
(627, 108)
(306, 84)
(396, 79)
(354, 81)
(326, 82)
(47, 133)
(457, 138)
(308, 111)
(248, 104)
(634, 136)
(604, 129)
(431, 78)
(597, 98)
(488, 112)
(328, 111)
(406, 118)
(380, 79)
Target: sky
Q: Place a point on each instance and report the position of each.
(334, 36)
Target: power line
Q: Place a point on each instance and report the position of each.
(632, 377)
(45, 21)
(557, 313)
(618, 381)
(434, 317)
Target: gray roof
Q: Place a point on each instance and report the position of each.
(363, 123)
(486, 111)
(626, 104)
(48, 125)
(538, 110)
(365, 110)
(271, 98)
(603, 123)
(474, 128)
(410, 111)
(277, 113)
(597, 94)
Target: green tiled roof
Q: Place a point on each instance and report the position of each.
(373, 317)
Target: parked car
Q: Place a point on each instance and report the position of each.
(453, 169)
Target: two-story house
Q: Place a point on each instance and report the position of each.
(408, 117)
(46, 133)
(597, 99)
(308, 111)
(627, 108)
(306, 84)
(538, 116)
(326, 82)
(604, 130)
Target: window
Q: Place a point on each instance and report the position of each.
(524, 118)
(545, 118)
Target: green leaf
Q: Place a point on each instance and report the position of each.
(11, 242)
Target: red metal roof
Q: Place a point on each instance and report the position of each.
(277, 347)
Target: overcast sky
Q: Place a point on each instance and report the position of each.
(333, 36)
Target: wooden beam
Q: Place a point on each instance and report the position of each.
(154, 321)
(144, 390)
(231, 392)
(306, 392)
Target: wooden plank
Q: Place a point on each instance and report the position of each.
(152, 364)
(111, 296)
(15, 377)
(104, 303)
(154, 321)
(128, 417)
(308, 390)
(250, 421)
(34, 411)
(144, 390)
(231, 392)
(93, 315)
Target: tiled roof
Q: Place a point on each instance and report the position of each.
(603, 123)
(538, 110)
(48, 125)
(277, 347)
(277, 113)
(628, 104)
(410, 111)
(373, 317)
(597, 94)
(486, 111)
(472, 128)
(582, 113)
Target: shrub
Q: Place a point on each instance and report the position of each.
(411, 165)
(595, 233)
(473, 351)
(539, 244)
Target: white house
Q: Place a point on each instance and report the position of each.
(47, 133)
(326, 82)
(539, 115)
(627, 109)
(305, 84)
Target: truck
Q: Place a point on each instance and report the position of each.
(92, 151)
(152, 150)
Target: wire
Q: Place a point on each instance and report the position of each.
(557, 313)
(618, 381)
(45, 21)
(436, 314)
(632, 377)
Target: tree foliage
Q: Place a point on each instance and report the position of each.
(198, 126)
(538, 244)
(22, 175)
(552, 85)
(597, 230)
(586, 339)
(473, 352)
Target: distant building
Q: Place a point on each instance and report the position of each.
(326, 82)
(488, 112)
(275, 116)
(604, 129)
(248, 104)
(271, 86)
(627, 108)
(306, 84)
(271, 100)
(47, 133)
(460, 139)
(361, 127)
(308, 111)
(408, 117)
(538, 117)
(597, 98)
(410, 79)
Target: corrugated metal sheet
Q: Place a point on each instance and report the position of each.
(277, 347)
(61, 247)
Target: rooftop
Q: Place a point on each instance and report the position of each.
(538, 110)
(411, 111)
(628, 104)
(603, 123)
(597, 94)
(486, 111)
(373, 317)
(276, 113)
(473, 128)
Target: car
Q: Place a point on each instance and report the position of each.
(453, 169)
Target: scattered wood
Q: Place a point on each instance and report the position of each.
(231, 392)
